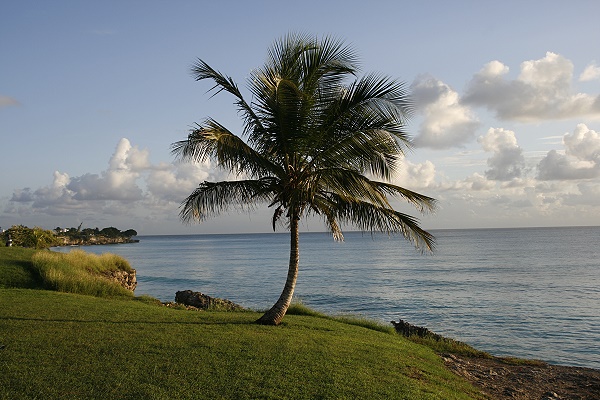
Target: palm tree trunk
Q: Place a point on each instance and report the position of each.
(276, 313)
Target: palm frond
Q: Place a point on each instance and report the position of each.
(212, 198)
(365, 124)
(201, 71)
(419, 201)
(369, 217)
(350, 185)
(212, 140)
(313, 136)
(323, 208)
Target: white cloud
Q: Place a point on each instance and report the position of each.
(22, 195)
(54, 199)
(589, 193)
(416, 176)
(542, 91)
(176, 182)
(583, 143)
(446, 123)
(130, 187)
(128, 157)
(118, 182)
(581, 159)
(508, 161)
(475, 182)
(590, 73)
(556, 166)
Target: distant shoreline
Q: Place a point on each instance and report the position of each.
(94, 241)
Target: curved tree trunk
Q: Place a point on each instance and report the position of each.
(276, 313)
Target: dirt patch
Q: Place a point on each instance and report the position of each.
(500, 379)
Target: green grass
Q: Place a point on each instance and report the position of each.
(59, 345)
(80, 272)
(16, 269)
(71, 346)
(298, 308)
(446, 345)
(73, 272)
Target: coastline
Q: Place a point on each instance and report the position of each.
(94, 241)
(489, 290)
(498, 378)
(504, 379)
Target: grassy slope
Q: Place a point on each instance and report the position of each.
(16, 269)
(58, 345)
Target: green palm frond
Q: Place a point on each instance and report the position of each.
(212, 141)
(349, 184)
(212, 198)
(316, 139)
(419, 201)
(201, 71)
(369, 217)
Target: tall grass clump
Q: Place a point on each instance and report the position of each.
(80, 272)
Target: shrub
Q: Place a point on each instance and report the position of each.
(36, 237)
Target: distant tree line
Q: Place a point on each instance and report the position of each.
(22, 236)
(36, 237)
(110, 232)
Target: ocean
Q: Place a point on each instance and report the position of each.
(529, 292)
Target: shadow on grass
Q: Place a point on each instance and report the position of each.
(25, 277)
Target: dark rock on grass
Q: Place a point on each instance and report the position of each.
(406, 329)
(204, 302)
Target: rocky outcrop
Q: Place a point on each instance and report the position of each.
(124, 278)
(204, 302)
(504, 379)
(406, 329)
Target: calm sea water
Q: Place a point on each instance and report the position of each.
(531, 293)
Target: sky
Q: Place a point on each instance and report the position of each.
(506, 131)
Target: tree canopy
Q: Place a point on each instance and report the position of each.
(317, 140)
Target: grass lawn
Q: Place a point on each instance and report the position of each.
(67, 346)
(16, 269)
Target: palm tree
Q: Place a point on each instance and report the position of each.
(316, 138)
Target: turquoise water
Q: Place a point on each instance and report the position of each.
(531, 293)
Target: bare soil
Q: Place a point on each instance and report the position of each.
(502, 379)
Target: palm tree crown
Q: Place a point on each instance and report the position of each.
(318, 141)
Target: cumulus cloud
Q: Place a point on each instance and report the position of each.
(508, 161)
(130, 183)
(583, 143)
(446, 123)
(22, 195)
(588, 195)
(53, 199)
(590, 73)
(176, 182)
(475, 182)
(118, 182)
(581, 158)
(542, 91)
(416, 176)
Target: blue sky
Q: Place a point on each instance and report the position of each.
(92, 94)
